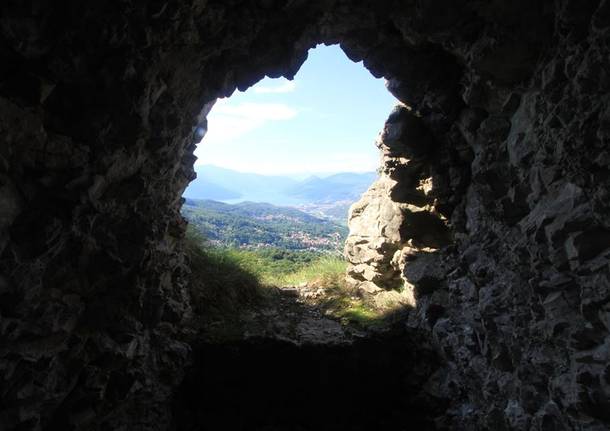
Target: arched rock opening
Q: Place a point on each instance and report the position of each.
(508, 123)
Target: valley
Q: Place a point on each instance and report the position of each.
(251, 225)
(323, 196)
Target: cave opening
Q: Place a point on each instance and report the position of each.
(302, 355)
(278, 169)
(307, 143)
(501, 174)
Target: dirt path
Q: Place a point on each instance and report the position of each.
(295, 314)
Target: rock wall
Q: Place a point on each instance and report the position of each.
(397, 218)
(374, 239)
(491, 209)
(505, 148)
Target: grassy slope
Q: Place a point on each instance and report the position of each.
(225, 282)
(220, 285)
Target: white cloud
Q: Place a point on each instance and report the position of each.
(270, 161)
(229, 121)
(363, 161)
(258, 111)
(285, 87)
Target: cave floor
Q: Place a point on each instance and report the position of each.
(291, 363)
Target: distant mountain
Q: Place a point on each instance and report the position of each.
(338, 187)
(251, 224)
(247, 186)
(229, 185)
(204, 189)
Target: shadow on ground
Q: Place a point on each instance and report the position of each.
(264, 384)
(284, 361)
(373, 382)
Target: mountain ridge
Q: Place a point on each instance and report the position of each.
(222, 184)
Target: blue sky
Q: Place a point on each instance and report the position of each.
(324, 121)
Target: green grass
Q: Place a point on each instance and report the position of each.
(339, 300)
(276, 267)
(359, 314)
(324, 270)
(226, 281)
(221, 282)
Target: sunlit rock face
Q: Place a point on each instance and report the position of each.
(374, 223)
(497, 166)
(397, 218)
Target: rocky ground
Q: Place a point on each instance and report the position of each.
(308, 358)
(295, 316)
(310, 313)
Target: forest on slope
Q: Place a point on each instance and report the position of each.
(256, 225)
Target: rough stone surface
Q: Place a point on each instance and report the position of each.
(374, 223)
(397, 219)
(505, 148)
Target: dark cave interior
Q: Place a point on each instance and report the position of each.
(507, 113)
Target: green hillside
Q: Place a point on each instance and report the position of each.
(260, 225)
